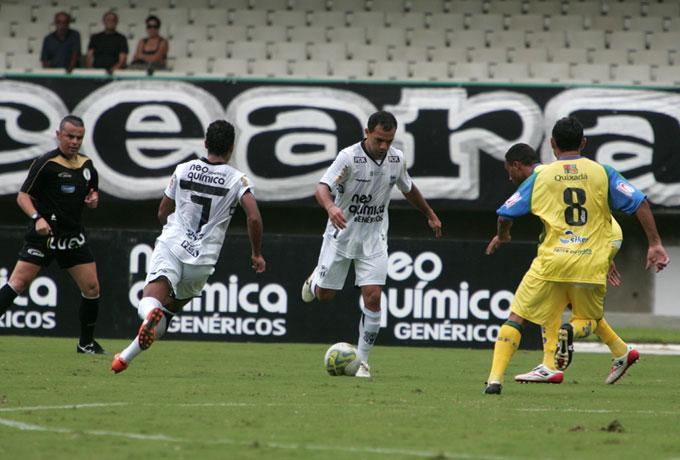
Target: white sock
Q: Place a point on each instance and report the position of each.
(131, 351)
(313, 286)
(145, 306)
(369, 326)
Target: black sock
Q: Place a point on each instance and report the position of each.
(89, 309)
(7, 296)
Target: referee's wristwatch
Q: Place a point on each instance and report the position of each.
(35, 216)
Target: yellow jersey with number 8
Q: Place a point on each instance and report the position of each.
(573, 197)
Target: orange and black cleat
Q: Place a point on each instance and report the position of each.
(147, 332)
(118, 365)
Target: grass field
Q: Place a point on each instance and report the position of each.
(198, 400)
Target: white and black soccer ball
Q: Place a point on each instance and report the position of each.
(341, 359)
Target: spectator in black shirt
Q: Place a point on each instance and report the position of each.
(61, 48)
(59, 185)
(108, 49)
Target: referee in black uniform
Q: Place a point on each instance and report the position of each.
(59, 184)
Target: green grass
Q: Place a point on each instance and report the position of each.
(644, 335)
(199, 400)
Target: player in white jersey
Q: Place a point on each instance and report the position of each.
(195, 212)
(362, 176)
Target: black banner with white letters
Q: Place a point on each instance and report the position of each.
(438, 293)
(454, 137)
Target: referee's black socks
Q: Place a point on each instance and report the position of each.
(7, 296)
(89, 309)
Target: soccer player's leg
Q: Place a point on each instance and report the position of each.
(546, 371)
(590, 304)
(607, 335)
(370, 275)
(79, 263)
(162, 281)
(328, 277)
(535, 300)
(587, 306)
(154, 323)
(506, 345)
(24, 272)
(584, 324)
(33, 256)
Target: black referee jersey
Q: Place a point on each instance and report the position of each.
(59, 187)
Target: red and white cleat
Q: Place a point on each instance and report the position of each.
(540, 374)
(620, 365)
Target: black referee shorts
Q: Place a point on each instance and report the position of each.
(37, 252)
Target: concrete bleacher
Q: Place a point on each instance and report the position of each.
(617, 42)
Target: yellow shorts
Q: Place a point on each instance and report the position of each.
(542, 302)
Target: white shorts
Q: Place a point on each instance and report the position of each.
(333, 268)
(186, 280)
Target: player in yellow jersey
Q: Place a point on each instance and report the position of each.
(573, 196)
(521, 161)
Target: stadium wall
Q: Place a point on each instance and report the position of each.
(438, 293)
(454, 137)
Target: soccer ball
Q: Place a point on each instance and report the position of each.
(341, 359)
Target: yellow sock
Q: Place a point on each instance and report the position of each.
(617, 346)
(506, 345)
(549, 334)
(583, 327)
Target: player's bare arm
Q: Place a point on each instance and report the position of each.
(502, 235)
(25, 202)
(255, 228)
(166, 208)
(323, 196)
(417, 200)
(656, 254)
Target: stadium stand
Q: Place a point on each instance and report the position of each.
(431, 71)
(310, 35)
(314, 69)
(328, 52)
(549, 72)
(270, 68)
(350, 70)
(230, 68)
(471, 71)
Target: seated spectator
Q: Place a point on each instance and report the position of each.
(151, 51)
(108, 49)
(61, 48)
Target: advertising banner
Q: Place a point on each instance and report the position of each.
(454, 137)
(438, 293)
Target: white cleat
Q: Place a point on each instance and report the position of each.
(307, 294)
(364, 370)
(540, 374)
(620, 365)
